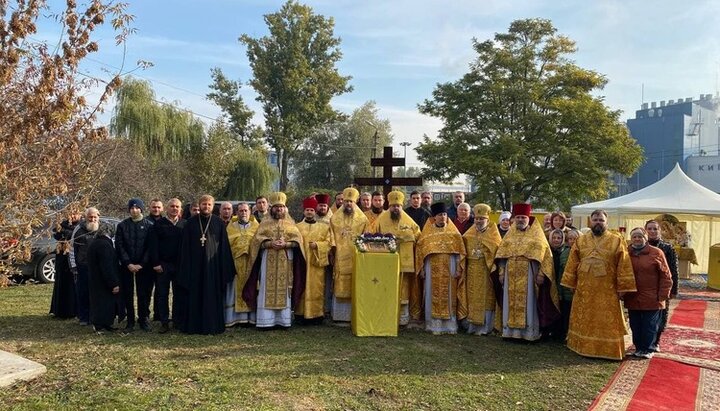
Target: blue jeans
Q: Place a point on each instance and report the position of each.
(644, 325)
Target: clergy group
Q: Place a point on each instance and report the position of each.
(254, 266)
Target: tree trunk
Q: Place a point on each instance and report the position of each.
(283, 164)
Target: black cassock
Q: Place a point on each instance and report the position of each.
(204, 272)
(63, 300)
(103, 277)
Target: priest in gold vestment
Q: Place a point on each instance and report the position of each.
(600, 271)
(322, 211)
(397, 222)
(346, 224)
(481, 243)
(277, 268)
(440, 261)
(529, 300)
(317, 241)
(240, 234)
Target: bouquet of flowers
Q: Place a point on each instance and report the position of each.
(376, 243)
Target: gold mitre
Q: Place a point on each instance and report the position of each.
(396, 198)
(277, 198)
(351, 193)
(482, 210)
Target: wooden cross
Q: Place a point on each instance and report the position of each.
(387, 181)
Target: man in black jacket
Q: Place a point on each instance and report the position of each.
(655, 239)
(132, 251)
(164, 245)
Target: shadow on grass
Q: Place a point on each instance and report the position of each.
(306, 350)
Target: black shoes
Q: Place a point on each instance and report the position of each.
(164, 328)
(145, 326)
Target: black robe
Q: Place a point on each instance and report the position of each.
(103, 277)
(63, 300)
(203, 274)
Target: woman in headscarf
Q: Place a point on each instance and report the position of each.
(653, 281)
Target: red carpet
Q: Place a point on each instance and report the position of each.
(684, 376)
(654, 393)
(689, 313)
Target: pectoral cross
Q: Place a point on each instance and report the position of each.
(202, 240)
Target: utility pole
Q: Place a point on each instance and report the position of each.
(405, 145)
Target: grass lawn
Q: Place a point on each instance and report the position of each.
(303, 368)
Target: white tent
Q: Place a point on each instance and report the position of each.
(675, 194)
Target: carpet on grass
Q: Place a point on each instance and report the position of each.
(660, 384)
(685, 375)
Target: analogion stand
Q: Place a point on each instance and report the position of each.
(375, 294)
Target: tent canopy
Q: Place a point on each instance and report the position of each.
(675, 193)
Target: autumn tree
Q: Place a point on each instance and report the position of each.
(45, 116)
(295, 76)
(528, 124)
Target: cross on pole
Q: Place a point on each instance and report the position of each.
(387, 162)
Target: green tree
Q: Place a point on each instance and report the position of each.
(526, 123)
(231, 171)
(245, 171)
(295, 77)
(336, 153)
(226, 94)
(160, 130)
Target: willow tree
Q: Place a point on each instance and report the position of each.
(295, 76)
(241, 163)
(527, 123)
(157, 129)
(335, 154)
(46, 116)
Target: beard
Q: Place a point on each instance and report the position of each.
(92, 226)
(376, 210)
(521, 226)
(598, 229)
(277, 214)
(321, 213)
(348, 210)
(481, 227)
(395, 215)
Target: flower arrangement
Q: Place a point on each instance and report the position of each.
(376, 243)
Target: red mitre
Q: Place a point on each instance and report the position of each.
(521, 209)
(323, 198)
(310, 202)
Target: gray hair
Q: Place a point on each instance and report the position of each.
(91, 210)
(464, 205)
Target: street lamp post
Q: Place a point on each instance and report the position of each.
(405, 145)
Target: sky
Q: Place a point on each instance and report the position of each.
(398, 51)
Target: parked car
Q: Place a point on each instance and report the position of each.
(41, 266)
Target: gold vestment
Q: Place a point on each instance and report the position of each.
(240, 238)
(438, 244)
(598, 268)
(279, 273)
(345, 229)
(313, 300)
(481, 248)
(406, 232)
(519, 248)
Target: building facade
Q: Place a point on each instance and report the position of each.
(677, 131)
